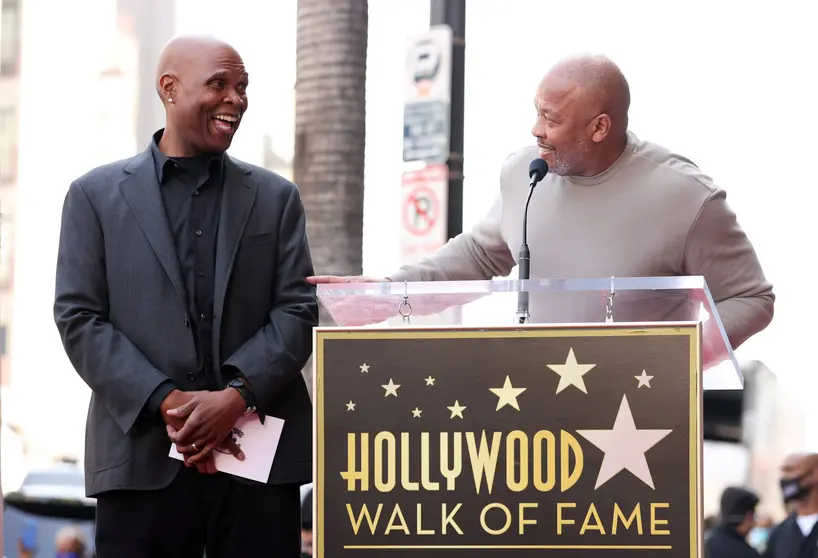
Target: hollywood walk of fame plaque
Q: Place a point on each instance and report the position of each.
(441, 442)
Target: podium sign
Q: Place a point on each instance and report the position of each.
(436, 441)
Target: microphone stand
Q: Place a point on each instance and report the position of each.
(524, 262)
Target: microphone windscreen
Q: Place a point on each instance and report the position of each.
(537, 169)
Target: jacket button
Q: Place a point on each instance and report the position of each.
(187, 322)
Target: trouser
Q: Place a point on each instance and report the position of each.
(197, 512)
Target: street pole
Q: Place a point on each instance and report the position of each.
(453, 14)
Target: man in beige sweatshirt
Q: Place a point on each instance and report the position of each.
(611, 205)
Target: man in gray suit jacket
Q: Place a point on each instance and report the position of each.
(181, 302)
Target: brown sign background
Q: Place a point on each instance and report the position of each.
(355, 372)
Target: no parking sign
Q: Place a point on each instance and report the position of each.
(423, 212)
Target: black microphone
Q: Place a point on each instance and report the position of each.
(537, 170)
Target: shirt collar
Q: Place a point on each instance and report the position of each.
(161, 160)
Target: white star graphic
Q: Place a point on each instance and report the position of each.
(364, 368)
(430, 381)
(351, 406)
(391, 388)
(457, 410)
(507, 395)
(624, 447)
(644, 379)
(571, 373)
(416, 412)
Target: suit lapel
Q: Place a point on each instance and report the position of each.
(238, 197)
(141, 190)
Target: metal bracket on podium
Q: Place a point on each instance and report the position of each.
(609, 304)
(405, 309)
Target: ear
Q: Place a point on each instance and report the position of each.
(167, 86)
(601, 126)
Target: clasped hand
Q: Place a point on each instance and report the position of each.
(202, 423)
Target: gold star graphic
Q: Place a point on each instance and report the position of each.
(350, 406)
(364, 368)
(644, 379)
(457, 410)
(430, 381)
(391, 388)
(416, 412)
(571, 373)
(507, 394)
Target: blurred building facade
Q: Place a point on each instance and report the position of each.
(9, 118)
(73, 97)
(63, 110)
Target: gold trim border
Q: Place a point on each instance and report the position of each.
(691, 329)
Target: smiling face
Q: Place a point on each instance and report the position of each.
(566, 127)
(207, 98)
(582, 115)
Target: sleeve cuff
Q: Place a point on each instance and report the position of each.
(158, 395)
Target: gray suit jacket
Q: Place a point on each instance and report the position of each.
(121, 313)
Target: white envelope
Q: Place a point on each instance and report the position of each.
(258, 442)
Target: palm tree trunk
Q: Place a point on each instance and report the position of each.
(330, 129)
(330, 133)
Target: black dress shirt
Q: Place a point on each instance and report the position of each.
(191, 190)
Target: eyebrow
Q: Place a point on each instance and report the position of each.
(221, 74)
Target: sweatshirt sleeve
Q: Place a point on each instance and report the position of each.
(479, 254)
(718, 249)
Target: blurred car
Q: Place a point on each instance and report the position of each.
(48, 500)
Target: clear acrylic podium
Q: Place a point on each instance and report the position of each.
(625, 300)
(417, 386)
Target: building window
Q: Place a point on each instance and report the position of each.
(10, 38)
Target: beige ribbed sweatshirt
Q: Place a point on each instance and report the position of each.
(652, 213)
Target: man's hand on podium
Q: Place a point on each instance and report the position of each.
(322, 279)
(360, 310)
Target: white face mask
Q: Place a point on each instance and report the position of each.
(758, 537)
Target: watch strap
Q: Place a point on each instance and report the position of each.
(239, 385)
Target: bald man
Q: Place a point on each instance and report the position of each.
(181, 302)
(611, 205)
(797, 536)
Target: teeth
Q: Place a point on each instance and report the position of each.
(226, 118)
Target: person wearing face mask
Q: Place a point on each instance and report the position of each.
(797, 536)
(760, 534)
(736, 520)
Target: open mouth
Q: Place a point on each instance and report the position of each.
(226, 123)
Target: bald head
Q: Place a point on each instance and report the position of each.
(799, 482)
(582, 108)
(203, 83)
(181, 54)
(800, 461)
(596, 83)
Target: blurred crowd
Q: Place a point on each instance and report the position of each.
(739, 532)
